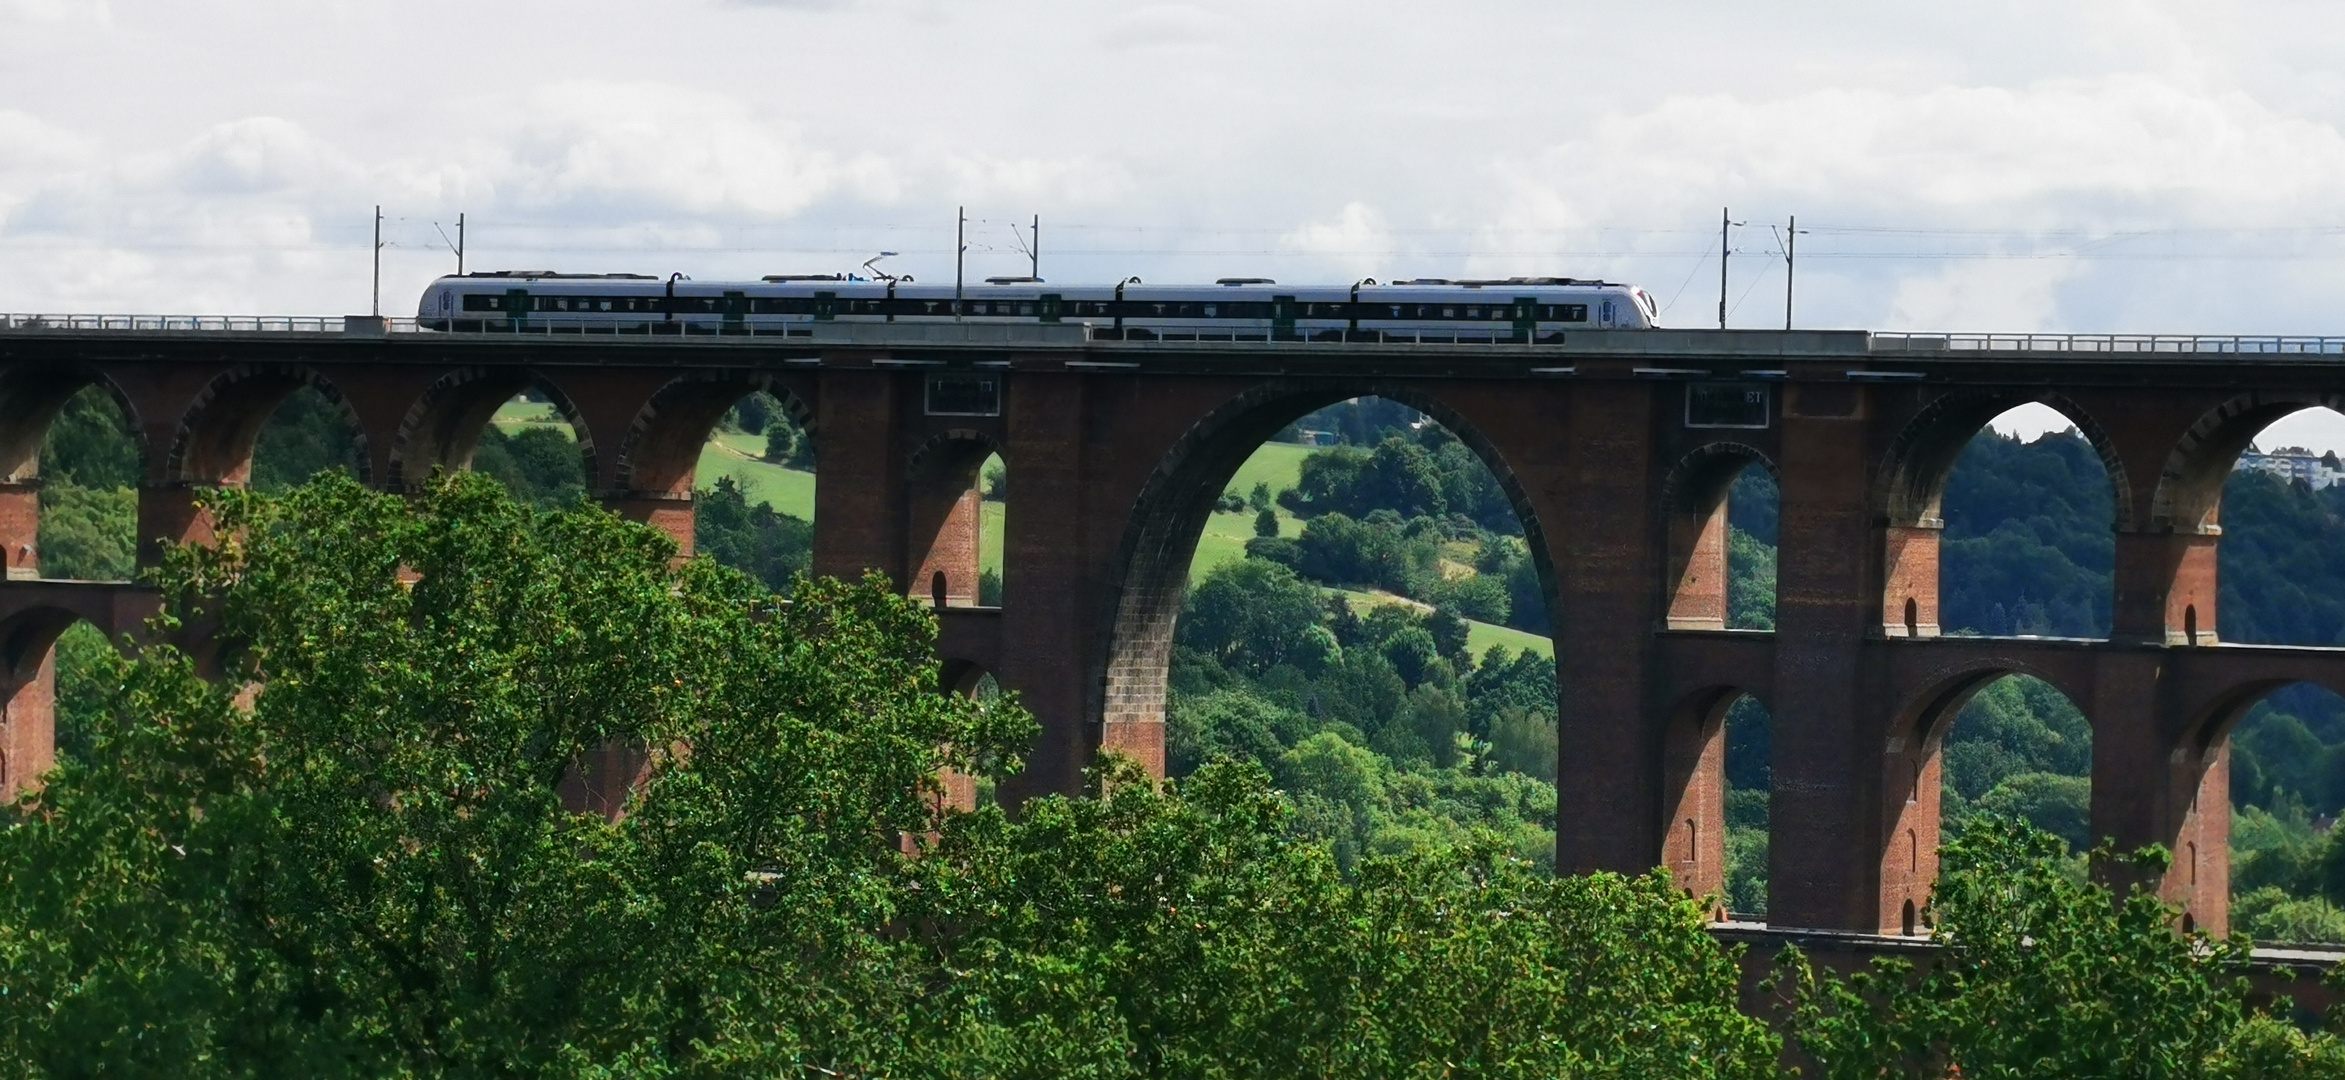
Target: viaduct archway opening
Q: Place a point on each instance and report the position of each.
(1991, 740)
(1721, 505)
(1717, 791)
(2002, 515)
(727, 466)
(1350, 590)
(52, 698)
(958, 494)
(88, 472)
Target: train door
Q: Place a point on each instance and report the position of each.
(1282, 318)
(1526, 317)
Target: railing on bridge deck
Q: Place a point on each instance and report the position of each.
(2107, 343)
(312, 324)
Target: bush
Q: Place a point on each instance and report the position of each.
(1476, 597)
(2268, 914)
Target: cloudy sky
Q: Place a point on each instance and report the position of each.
(2091, 167)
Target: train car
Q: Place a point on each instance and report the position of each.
(1232, 309)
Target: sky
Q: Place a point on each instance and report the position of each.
(2091, 167)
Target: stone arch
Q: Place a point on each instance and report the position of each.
(959, 675)
(1693, 505)
(1912, 782)
(444, 424)
(661, 449)
(2190, 487)
(213, 443)
(30, 398)
(945, 514)
(1160, 537)
(2186, 510)
(1912, 489)
(1693, 789)
(28, 686)
(1914, 472)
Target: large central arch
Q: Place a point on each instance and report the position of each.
(1160, 538)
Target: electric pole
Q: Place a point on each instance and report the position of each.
(960, 249)
(1723, 252)
(1790, 265)
(1034, 251)
(1790, 245)
(378, 308)
(456, 245)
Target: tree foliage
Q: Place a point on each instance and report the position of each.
(760, 541)
(2041, 975)
(350, 857)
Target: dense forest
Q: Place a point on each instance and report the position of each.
(1391, 734)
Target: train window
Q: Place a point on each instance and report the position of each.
(1025, 307)
(1449, 313)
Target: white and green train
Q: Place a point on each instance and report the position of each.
(1232, 309)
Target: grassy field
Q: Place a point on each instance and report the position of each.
(1480, 636)
(512, 416)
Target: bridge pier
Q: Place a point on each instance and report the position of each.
(1611, 734)
(1825, 856)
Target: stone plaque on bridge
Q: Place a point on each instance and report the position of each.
(1726, 405)
(964, 394)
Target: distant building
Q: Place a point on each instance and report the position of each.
(2316, 471)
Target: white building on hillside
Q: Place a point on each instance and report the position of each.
(2317, 471)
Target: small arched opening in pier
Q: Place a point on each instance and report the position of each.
(1721, 506)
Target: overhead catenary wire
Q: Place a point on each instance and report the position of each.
(1832, 243)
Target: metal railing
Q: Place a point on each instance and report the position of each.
(2109, 343)
(312, 324)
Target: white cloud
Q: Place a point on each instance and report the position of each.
(1160, 26)
(1357, 241)
(55, 11)
(2016, 296)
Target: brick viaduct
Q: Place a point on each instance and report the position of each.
(1615, 448)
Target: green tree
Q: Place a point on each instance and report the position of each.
(88, 534)
(770, 546)
(2041, 975)
(90, 444)
(369, 871)
(1251, 615)
(541, 465)
(1189, 933)
(1265, 522)
(307, 435)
